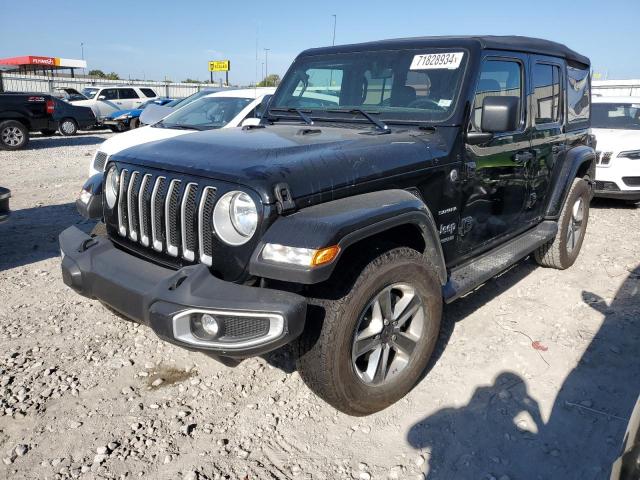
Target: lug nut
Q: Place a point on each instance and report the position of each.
(393, 337)
(386, 322)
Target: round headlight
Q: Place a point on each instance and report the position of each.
(111, 187)
(235, 218)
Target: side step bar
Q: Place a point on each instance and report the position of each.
(470, 276)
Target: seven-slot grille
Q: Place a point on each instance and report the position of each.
(603, 158)
(169, 215)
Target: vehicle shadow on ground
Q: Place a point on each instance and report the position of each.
(38, 143)
(487, 437)
(31, 234)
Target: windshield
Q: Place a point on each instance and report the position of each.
(621, 116)
(185, 101)
(405, 86)
(206, 113)
(90, 92)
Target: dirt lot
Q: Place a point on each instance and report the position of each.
(84, 394)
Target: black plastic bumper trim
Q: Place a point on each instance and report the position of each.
(153, 295)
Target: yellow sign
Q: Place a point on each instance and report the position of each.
(220, 65)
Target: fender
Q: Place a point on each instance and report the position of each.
(344, 222)
(89, 202)
(563, 175)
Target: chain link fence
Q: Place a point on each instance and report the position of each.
(21, 82)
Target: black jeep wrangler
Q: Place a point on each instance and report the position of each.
(384, 179)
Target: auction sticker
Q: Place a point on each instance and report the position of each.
(432, 61)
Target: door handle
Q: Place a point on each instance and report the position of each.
(522, 157)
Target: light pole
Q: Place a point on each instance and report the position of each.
(266, 64)
(82, 56)
(262, 70)
(335, 20)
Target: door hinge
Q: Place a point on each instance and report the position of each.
(284, 203)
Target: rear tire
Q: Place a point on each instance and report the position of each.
(563, 250)
(14, 135)
(337, 349)
(134, 123)
(68, 127)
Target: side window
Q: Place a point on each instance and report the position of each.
(128, 93)
(578, 97)
(498, 78)
(148, 92)
(109, 93)
(546, 82)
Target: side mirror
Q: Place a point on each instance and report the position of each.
(102, 97)
(251, 122)
(499, 114)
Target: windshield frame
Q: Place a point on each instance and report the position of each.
(609, 105)
(388, 117)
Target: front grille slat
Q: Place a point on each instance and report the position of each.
(122, 205)
(188, 221)
(132, 205)
(172, 204)
(205, 225)
(144, 204)
(157, 209)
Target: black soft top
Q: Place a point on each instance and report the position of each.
(473, 42)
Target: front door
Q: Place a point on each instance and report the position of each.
(547, 137)
(107, 102)
(495, 190)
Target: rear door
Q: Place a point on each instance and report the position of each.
(547, 136)
(495, 190)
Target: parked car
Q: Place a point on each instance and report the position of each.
(5, 195)
(108, 99)
(224, 109)
(616, 124)
(155, 113)
(342, 229)
(122, 120)
(21, 113)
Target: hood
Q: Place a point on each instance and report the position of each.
(616, 140)
(311, 160)
(138, 136)
(134, 112)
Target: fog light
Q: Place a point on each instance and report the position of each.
(210, 325)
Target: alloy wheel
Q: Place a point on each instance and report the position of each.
(574, 231)
(388, 333)
(12, 136)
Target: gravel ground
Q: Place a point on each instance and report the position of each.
(536, 373)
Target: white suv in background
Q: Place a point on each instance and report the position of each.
(224, 109)
(106, 100)
(615, 121)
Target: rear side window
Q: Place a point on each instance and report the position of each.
(128, 93)
(498, 78)
(578, 97)
(147, 92)
(546, 82)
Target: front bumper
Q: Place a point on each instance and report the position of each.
(161, 298)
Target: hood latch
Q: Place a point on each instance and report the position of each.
(284, 203)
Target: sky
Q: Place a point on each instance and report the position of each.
(174, 40)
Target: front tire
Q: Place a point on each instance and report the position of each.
(13, 135)
(563, 250)
(134, 123)
(375, 340)
(68, 127)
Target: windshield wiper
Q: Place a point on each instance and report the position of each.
(300, 113)
(181, 127)
(383, 127)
